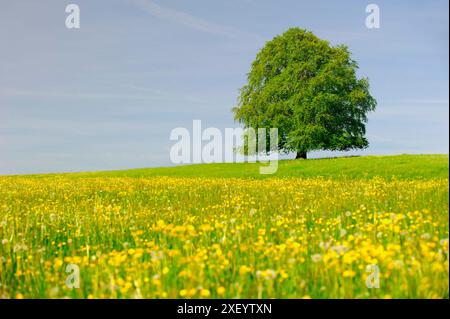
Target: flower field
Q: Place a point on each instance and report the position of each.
(174, 237)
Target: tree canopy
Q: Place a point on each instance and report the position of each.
(309, 90)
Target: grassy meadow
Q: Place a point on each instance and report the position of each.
(322, 228)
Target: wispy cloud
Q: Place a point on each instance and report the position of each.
(144, 94)
(189, 20)
(418, 101)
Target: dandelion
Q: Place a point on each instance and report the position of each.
(316, 258)
(244, 270)
(169, 237)
(348, 274)
(221, 291)
(58, 262)
(205, 293)
(191, 292)
(183, 292)
(268, 274)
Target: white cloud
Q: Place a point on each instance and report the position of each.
(418, 101)
(189, 20)
(143, 95)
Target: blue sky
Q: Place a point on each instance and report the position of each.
(107, 95)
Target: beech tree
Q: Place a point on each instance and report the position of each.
(309, 90)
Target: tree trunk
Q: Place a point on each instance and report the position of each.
(300, 155)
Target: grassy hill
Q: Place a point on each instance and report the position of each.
(247, 236)
(400, 166)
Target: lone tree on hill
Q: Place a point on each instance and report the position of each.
(307, 89)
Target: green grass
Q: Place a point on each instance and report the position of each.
(366, 167)
(225, 231)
